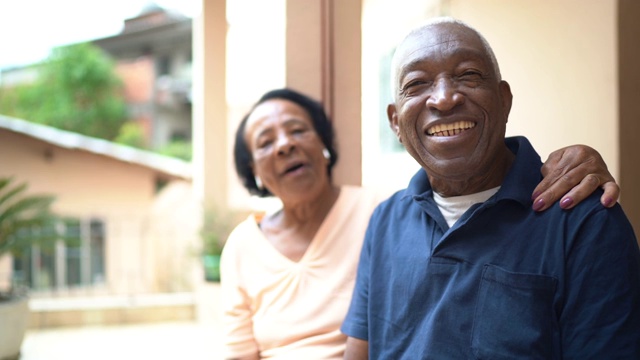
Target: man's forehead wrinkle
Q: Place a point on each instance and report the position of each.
(441, 36)
(440, 41)
(425, 42)
(452, 49)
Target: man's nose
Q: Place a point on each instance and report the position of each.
(444, 95)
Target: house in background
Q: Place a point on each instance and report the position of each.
(131, 211)
(153, 55)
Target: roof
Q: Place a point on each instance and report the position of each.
(153, 16)
(150, 7)
(74, 141)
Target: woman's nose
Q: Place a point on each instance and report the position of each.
(284, 143)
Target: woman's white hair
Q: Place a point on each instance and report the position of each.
(436, 21)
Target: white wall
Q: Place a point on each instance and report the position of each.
(560, 58)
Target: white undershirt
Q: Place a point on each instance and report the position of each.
(453, 207)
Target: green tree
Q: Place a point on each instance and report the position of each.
(131, 134)
(25, 220)
(181, 149)
(77, 90)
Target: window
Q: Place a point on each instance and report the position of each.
(163, 65)
(388, 141)
(78, 259)
(72, 250)
(96, 252)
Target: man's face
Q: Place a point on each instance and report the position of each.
(451, 109)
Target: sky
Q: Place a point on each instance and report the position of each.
(29, 29)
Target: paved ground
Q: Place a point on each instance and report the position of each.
(183, 340)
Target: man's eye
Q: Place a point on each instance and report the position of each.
(471, 74)
(415, 83)
(413, 86)
(471, 78)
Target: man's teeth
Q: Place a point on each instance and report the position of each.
(450, 129)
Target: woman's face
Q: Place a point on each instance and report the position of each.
(286, 150)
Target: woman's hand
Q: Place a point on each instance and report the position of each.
(575, 171)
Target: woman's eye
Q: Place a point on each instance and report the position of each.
(264, 143)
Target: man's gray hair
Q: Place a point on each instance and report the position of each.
(436, 21)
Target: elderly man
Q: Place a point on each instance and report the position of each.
(458, 265)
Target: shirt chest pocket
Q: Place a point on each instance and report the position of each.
(514, 316)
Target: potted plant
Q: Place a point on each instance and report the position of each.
(25, 220)
(215, 228)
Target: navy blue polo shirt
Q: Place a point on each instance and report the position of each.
(504, 282)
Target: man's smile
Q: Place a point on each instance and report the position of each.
(452, 129)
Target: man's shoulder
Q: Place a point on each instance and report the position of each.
(393, 211)
(418, 186)
(398, 199)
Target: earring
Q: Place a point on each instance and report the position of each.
(326, 154)
(259, 183)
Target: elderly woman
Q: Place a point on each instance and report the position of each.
(287, 278)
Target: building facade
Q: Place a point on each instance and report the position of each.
(153, 55)
(130, 215)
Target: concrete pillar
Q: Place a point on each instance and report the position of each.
(629, 90)
(211, 149)
(323, 52)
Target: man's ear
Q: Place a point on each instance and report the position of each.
(392, 115)
(506, 97)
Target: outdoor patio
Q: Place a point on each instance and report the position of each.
(166, 337)
(174, 340)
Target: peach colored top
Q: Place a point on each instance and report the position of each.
(293, 310)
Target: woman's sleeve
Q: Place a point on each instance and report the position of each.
(238, 338)
(356, 323)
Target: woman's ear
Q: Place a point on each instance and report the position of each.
(392, 115)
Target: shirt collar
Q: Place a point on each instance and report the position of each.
(518, 184)
(524, 174)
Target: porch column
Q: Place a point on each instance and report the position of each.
(323, 52)
(210, 141)
(629, 90)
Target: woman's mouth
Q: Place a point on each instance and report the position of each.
(293, 168)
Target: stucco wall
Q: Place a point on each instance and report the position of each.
(560, 58)
(572, 66)
(84, 183)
